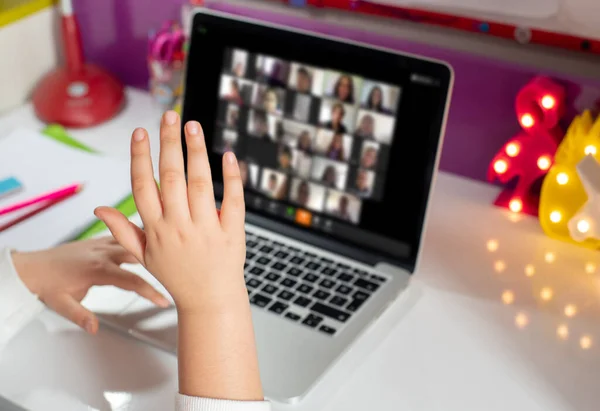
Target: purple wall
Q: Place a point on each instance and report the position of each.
(481, 118)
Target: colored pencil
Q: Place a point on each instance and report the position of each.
(36, 211)
(53, 195)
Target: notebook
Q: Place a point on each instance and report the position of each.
(41, 165)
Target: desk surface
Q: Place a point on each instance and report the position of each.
(486, 330)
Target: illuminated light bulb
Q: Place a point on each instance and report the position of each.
(500, 166)
(562, 178)
(585, 342)
(515, 217)
(548, 102)
(555, 216)
(527, 120)
(550, 257)
(492, 245)
(570, 310)
(529, 270)
(508, 297)
(562, 332)
(512, 149)
(544, 163)
(546, 293)
(590, 268)
(499, 266)
(590, 150)
(521, 320)
(583, 226)
(515, 205)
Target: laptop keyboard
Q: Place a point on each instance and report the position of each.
(302, 287)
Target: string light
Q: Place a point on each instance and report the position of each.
(515, 205)
(555, 216)
(546, 293)
(512, 149)
(548, 102)
(544, 163)
(562, 332)
(492, 245)
(562, 178)
(508, 297)
(499, 266)
(550, 257)
(590, 150)
(529, 270)
(590, 268)
(570, 310)
(585, 342)
(500, 166)
(521, 320)
(527, 120)
(515, 217)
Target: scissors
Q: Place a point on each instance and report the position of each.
(166, 44)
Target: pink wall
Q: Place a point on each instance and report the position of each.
(481, 117)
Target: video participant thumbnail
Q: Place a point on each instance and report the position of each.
(337, 116)
(306, 80)
(235, 90)
(343, 206)
(307, 195)
(342, 87)
(334, 146)
(332, 174)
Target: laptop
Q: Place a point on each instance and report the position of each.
(338, 144)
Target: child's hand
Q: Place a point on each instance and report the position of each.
(62, 276)
(197, 255)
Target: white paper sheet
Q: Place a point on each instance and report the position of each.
(43, 165)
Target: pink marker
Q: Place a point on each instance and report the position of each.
(51, 196)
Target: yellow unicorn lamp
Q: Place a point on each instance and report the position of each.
(570, 198)
(585, 224)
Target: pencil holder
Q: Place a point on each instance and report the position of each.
(166, 79)
(166, 63)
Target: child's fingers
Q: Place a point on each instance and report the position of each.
(130, 236)
(128, 281)
(69, 308)
(200, 189)
(119, 255)
(172, 175)
(233, 209)
(143, 185)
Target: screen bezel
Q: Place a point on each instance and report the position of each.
(339, 51)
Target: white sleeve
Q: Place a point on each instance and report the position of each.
(18, 306)
(186, 403)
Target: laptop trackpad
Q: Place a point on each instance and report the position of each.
(144, 319)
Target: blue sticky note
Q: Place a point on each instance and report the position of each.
(9, 186)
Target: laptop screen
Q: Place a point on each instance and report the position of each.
(326, 143)
(314, 139)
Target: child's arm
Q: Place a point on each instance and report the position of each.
(18, 306)
(199, 258)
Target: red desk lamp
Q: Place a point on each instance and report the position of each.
(78, 94)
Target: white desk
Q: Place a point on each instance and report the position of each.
(458, 347)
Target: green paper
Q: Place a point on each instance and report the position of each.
(59, 134)
(127, 206)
